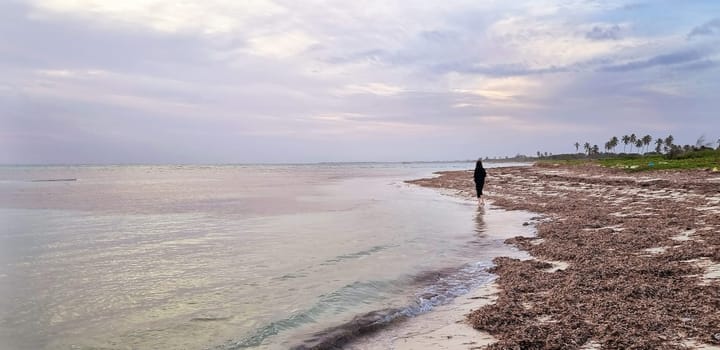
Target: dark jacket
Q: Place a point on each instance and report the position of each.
(479, 174)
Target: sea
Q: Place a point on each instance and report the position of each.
(227, 257)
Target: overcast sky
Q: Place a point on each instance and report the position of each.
(160, 81)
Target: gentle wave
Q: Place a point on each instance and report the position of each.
(434, 288)
(331, 303)
(357, 255)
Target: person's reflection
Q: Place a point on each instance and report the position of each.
(480, 220)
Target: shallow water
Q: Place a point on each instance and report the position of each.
(229, 257)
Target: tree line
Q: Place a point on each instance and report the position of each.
(641, 145)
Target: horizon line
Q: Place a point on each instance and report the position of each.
(262, 163)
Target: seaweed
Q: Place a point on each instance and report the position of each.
(616, 291)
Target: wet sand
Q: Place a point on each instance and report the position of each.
(434, 316)
(445, 327)
(621, 260)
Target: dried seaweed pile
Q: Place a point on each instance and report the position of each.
(634, 247)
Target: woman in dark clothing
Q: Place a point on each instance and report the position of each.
(479, 180)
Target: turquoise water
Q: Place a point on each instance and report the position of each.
(229, 257)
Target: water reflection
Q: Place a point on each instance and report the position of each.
(480, 227)
(191, 257)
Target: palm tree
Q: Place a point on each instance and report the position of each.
(587, 147)
(633, 139)
(607, 147)
(669, 143)
(577, 146)
(595, 149)
(614, 142)
(700, 143)
(658, 144)
(646, 141)
(625, 140)
(638, 144)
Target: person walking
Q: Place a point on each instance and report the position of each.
(479, 177)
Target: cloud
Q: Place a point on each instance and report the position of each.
(699, 65)
(711, 27)
(604, 32)
(524, 124)
(670, 59)
(278, 80)
(497, 70)
(372, 55)
(280, 45)
(372, 88)
(502, 89)
(208, 17)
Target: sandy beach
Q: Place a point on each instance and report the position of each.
(621, 260)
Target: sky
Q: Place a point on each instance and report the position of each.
(278, 81)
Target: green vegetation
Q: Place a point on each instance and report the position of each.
(665, 155)
(702, 159)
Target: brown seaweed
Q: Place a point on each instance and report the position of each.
(616, 291)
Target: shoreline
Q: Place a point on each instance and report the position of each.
(621, 260)
(439, 295)
(445, 327)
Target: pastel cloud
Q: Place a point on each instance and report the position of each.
(280, 45)
(372, 88)
(209, 17)
(611, 32)
(711, 27)
(280, 80)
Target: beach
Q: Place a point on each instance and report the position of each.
(215, 257)
(620, 260)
